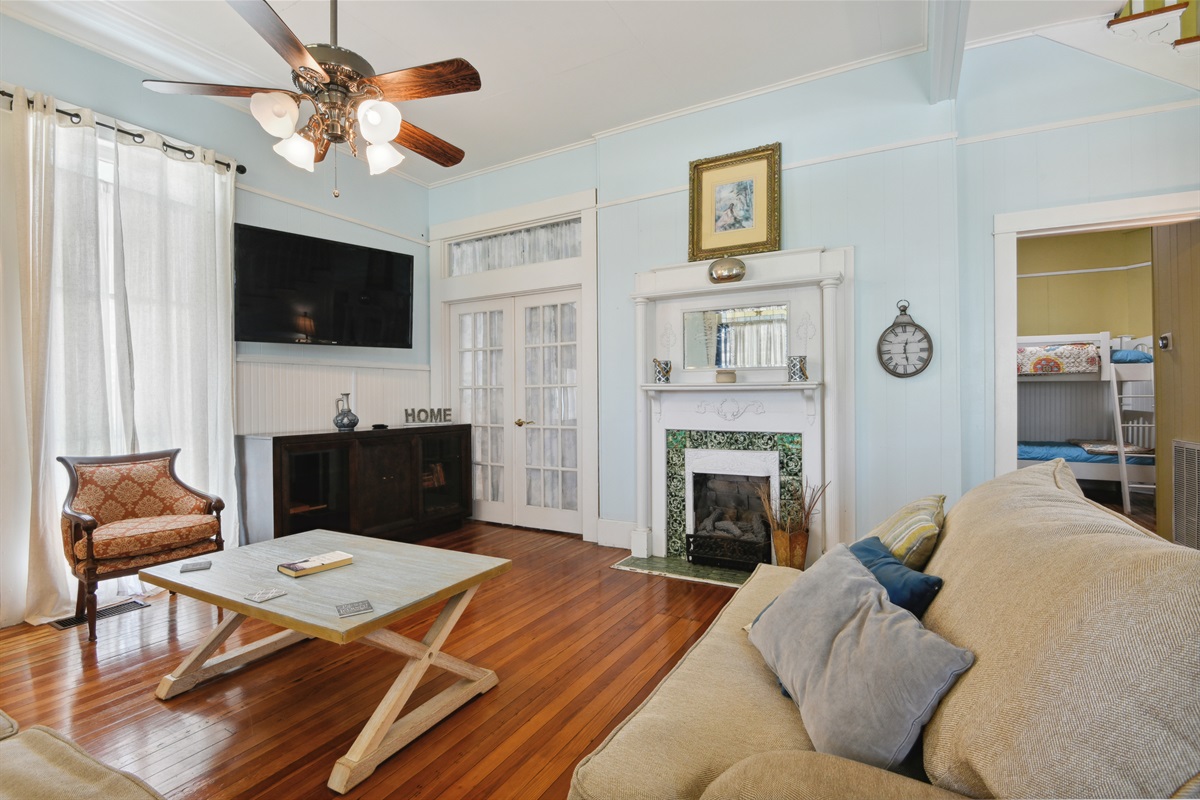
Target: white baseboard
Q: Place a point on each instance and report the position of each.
(613, 533)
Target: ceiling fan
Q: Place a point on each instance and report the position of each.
(343, 89)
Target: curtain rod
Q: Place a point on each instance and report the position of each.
(137, 136)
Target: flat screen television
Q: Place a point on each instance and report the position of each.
(298, 289)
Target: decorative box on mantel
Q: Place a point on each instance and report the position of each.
(742, 418)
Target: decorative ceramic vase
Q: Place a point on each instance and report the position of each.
(345, 419)
(797, 369)
(662, 371)
(727, 270)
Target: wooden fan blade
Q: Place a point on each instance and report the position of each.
(219, 89)
(275, 31)
(424, 143)
(430, 80)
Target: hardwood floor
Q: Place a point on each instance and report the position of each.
(577, 646)
(1141, 504)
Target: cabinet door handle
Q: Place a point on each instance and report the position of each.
(521, 423)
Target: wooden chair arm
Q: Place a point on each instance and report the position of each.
(86, 523)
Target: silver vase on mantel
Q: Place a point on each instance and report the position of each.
(727, 270)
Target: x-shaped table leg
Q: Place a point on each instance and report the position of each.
(198, 666)
(386, 732)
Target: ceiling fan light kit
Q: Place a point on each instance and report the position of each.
(348, 98)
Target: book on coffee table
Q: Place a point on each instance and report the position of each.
(307, 566)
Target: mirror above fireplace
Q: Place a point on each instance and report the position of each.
(736, 338)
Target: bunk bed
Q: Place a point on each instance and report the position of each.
(1093, 406)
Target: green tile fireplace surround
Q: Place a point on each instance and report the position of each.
(791, 469)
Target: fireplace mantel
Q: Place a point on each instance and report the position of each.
(816, 285)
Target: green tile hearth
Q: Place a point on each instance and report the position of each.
(672, 567)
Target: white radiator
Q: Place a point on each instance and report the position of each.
(1187, 494)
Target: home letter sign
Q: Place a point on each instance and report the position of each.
(427, 415)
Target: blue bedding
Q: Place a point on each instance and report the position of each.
(1045, 451)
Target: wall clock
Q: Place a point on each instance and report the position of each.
(905, 348)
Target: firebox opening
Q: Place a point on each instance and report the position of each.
(730, 526)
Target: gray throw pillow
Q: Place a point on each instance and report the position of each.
(864, 672)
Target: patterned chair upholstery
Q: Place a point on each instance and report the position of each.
(123, 513)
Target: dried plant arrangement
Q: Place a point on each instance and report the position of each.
(792, 520)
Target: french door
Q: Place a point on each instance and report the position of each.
(517, 367)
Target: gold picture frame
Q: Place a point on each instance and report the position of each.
(734, 204)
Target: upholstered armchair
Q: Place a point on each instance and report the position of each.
(123, 513)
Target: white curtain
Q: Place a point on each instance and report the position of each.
(123, 288)
(552, 241)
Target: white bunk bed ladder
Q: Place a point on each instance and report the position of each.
(1140, 430)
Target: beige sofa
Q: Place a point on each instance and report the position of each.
(41, 764)
(1086, 682)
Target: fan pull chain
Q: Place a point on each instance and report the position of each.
(336, 192)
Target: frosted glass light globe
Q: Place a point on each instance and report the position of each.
(276, 112)
(378, 121)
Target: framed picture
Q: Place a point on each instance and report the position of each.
(734, 204)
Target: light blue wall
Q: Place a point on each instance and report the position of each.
(75, 76)
(918, 216)
(554, 175)
(895, 208)
(1034, 82)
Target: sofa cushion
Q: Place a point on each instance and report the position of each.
(1085, 630)
(718, 705)
(8, 725)
(865, 673)
(41, 764)
(907, 588)
(792, 775)
(912, 532)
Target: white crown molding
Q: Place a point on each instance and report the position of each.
(100, 15)
(774, 87)
(515, 162)
(1035, 31)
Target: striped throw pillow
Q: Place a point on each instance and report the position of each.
(912, 531)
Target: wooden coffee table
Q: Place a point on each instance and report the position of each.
(398, 579)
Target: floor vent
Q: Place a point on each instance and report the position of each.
(1187, 494)
(104, 613)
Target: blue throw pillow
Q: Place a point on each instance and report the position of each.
(1132, 357)
(906, 587)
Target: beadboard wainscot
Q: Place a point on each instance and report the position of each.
(694, 417)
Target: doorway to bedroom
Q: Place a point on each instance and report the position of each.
(1085, 385)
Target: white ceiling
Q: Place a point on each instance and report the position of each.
(555, 73)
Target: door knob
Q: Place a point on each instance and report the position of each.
(521, 423)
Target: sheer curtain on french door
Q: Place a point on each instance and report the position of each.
(517, 383)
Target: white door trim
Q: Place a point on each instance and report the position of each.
(1134, 212)
(567, 274)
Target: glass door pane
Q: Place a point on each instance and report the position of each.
(550, 375)
(483, 376)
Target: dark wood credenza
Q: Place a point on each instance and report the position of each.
(402, 483)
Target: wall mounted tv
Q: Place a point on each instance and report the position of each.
(303, 290)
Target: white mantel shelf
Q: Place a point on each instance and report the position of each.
(807, 387)
(718, 288)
